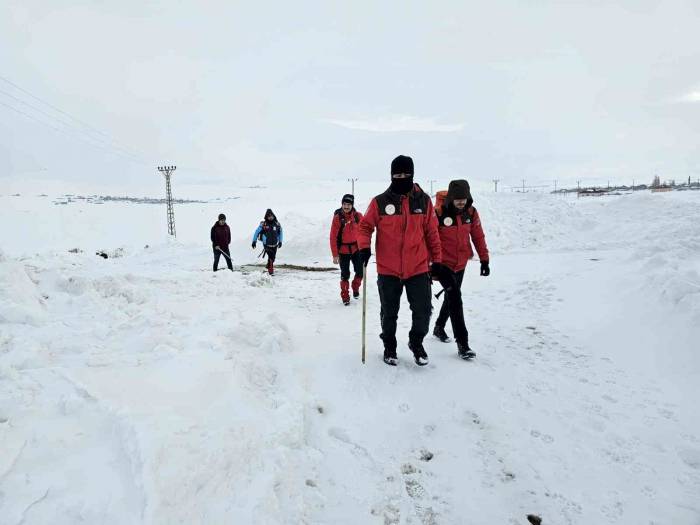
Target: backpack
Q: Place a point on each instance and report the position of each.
(440, 198)
(341, 219)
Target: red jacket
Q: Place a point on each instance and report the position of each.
(220, 235)
(457, 232)
(407, 234)
(348, 242)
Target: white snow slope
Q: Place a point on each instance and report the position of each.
(146, 389)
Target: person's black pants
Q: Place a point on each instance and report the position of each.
(217, 255)
(418, 294)
(271, 252)
(453, 309)
(345, 260)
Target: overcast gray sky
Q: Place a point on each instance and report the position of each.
(536, 90)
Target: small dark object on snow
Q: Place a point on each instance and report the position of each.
(75, 250)
(535, 520)
(320, 409)
(426, 455)
(102, 254)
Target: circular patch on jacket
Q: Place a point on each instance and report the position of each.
(448, 221)
(390, 209)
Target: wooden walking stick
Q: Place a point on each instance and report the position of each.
(364, 311)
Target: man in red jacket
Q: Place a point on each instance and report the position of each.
(407, 242)
(344, 248)
(220, 239)
(459, 227)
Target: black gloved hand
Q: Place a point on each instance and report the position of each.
(443, 275)
(485, 271)
(254, 244)
(365, 254)
(279, 244)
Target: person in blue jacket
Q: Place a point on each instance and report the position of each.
(270, 233)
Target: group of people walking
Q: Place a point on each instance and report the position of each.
(269, 233)
(417, 243)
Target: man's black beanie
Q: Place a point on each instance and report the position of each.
(458, 189)
(402, 164)
(350, 199)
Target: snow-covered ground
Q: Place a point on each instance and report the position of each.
(146, 389)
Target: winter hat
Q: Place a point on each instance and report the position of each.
(402, 164)
(222, 216)
(270, 212)
(350, 199)
(458, 189)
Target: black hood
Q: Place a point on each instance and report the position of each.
(270, 212)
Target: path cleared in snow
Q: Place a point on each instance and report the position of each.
(144, 389)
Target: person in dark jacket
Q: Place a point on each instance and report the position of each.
(407, 242)
(459, 227)
(270, 233)
(220, 239)
(343, 240)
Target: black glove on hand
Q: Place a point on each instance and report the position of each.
(254, 244)
(279, 244)
(436, 271)
(365, 254)
(485, 271)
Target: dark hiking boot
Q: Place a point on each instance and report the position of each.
(465, 352)
(419, 354)
(390, 356)
(439, 332)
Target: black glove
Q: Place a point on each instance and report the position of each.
(254, 244)
(279, 244)
(365, 254)
(443, 275)
(485, 271)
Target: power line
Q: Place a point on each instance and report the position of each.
(63, 131)
(70, 126)
(133, 152)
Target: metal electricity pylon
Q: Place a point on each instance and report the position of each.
(167, 170)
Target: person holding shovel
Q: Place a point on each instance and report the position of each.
(220, 239)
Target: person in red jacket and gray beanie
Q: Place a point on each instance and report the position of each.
(407, 242)
(344, 248)
(220, 239)
(459, 227)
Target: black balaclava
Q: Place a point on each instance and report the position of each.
(401, 164)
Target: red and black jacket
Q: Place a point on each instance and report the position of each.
(344, 230)
(458, 230)
(407, 233)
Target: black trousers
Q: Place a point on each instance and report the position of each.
(453, 309)
(418, 294)
(217, 255)
(345, 260)
(271, 252)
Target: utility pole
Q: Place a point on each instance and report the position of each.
(431, 187)
(167, 170)
(353, 185)
(495, 185)
(523, 185)
(555, 186)
(632, 184)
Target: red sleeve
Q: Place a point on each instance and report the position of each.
(478, 237)
(335, 228)
(432, 235)
(367, 225)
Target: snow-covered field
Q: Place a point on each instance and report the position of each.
(146, 389)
